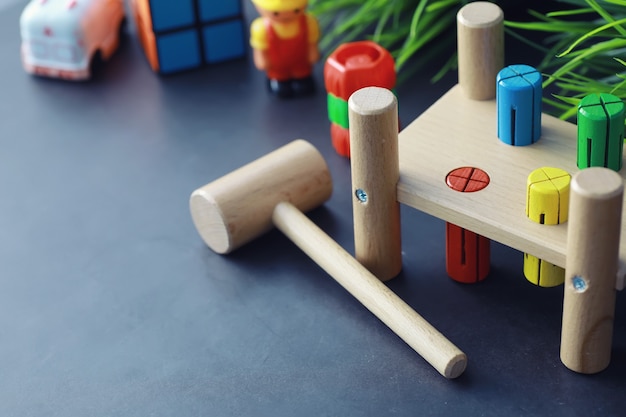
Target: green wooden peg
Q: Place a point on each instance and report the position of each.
(600, 131)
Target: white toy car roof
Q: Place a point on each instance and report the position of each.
(61, 17)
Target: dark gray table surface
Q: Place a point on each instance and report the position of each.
(111, 305)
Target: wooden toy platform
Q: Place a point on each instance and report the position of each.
(456, 132)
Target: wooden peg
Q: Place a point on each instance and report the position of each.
(375, 174)
(600, 131)
(467, 253)
(480, 39)
(590, 269)
(547, 202)
(547, 195)
(542, 273)
(518, 98)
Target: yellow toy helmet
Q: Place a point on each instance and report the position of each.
(281, 5)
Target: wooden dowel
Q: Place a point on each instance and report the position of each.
(442, 354)
(593, 237)
(373, 114)
(480, 46)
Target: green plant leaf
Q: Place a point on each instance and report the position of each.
(570, 12)
(590, 34)
(606, 15)
(568, 100)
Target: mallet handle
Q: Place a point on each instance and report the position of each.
(444, 356)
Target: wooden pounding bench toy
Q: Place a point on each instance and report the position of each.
(460, 131)
(456, 162)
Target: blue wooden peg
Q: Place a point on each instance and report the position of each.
(518, 98)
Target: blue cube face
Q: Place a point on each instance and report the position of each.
(223, 41)
(218, 9)
(172, 14)
(178, 51)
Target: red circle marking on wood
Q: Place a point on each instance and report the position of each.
(467, 179)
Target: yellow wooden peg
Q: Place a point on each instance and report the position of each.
(542, 273)
(547, 202)
(547, 196)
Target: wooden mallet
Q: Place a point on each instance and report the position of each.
(273, 191)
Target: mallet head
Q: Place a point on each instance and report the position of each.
(238, 207)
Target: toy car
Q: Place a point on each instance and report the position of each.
(61, 38)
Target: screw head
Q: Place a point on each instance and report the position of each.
(361, 195)
(579, 284)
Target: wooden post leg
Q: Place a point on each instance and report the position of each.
(480, 38)
(373, 114)
(591, 269)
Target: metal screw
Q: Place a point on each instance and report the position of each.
(579, 284)
(361, 195)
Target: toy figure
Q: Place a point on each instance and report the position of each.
(284, 40)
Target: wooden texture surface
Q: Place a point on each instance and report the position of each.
(373, 113)
(442, 354)
(455, 132)
(480, 46)
(237, 207)
(591, 267)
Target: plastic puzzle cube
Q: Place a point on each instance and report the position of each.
(179, 35)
